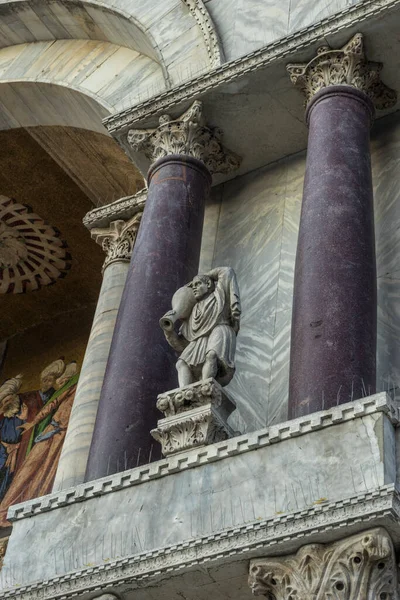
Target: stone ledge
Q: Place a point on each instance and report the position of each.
(124, 208)
(280, 534)
(280, 49)
(378, 403)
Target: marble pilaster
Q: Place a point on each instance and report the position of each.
(333, 344)
(184, 153)
(117, 240)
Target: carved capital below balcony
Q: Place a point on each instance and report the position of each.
(196, 415)
(360, 567)
(186, 135)
(118, 239)
(345, 66)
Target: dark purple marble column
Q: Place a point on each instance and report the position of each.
(333, 342)
(141, 364)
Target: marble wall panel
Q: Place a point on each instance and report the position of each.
(249, 239)
(257, 235)
(205, 500)
(386, 176)
(245, 25)
(305, 12)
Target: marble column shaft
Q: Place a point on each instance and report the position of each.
(334, 305)
(74, 455)
(333, 344)
(141, 365)
(183, 152)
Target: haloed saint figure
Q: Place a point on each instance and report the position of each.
(209, 308)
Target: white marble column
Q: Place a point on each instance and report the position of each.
(117, 240)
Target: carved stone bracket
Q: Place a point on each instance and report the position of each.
(345, 66)
(186, 135)
(360, 567)
(118, 239)
(196, 415)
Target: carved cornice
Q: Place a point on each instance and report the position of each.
(356, 14)
(118, 239)
(360, 567)
(204, 21)
(381, 505)
(378, 403)
(124, 208)
(346, 66)
(187, 135)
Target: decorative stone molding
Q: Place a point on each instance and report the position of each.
(357, 511)
(378, 403)
(196, 415)
(360, 567)
(3, 548)
(32, 255)
(185, 135)
(124, 208)
(346, 66)
(192, 396)
(204, 21)
(281, 49)
(118, 239)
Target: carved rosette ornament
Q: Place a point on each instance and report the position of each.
(346, 66)
(186, 135)
(360, 567)
(32, 255)
(118, 239)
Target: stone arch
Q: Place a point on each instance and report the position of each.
(177, 35)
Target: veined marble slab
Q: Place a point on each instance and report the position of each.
(304, 464)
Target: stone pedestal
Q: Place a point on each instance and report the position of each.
(166, 257)
(333, 344)
(195, 415)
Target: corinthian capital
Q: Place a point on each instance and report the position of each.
(186, 135)
(345, 66)
(118, 239)
(360, 567)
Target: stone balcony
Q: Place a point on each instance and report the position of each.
(190, 523)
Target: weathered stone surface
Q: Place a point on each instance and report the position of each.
(213, 504)
(140, 364)
(360, 567)
(195, 415)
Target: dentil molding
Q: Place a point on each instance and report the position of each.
(345, 66)
(186, 135)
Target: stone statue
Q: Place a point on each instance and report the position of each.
(209, 309)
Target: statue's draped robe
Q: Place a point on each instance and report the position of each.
(36, 476)
(209, 326)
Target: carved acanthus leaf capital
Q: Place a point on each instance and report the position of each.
(187, 135)
(345, 66)
(118, 239)
(360, 567)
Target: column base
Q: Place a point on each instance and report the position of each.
(195, 415)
